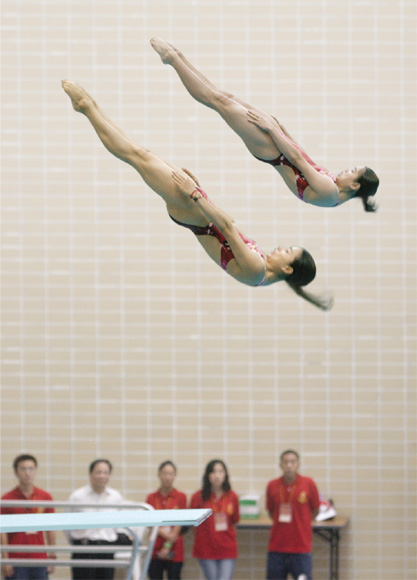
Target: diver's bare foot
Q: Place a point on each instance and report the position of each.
(176, 50)
(165, 50)
(80, 100)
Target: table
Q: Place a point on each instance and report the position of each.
(329, 531)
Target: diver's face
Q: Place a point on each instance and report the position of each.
(348, 179)
(282, 258)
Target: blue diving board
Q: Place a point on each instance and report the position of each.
(93, 520)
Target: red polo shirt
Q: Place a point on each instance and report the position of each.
(295, 536)
(210, 544)
(175, 500)
(29, 538)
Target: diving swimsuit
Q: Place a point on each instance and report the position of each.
(226, 253)
(300, 180)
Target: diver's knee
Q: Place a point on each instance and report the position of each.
(138, 156)
(221, 99)
(140, 153)
(228, 96)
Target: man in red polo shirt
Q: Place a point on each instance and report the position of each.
(292, 502)
(25, 470)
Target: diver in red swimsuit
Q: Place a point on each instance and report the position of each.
(189, 206)
(268, 141)
(226, 252)
(300, 180)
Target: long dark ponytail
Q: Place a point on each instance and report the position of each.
(304, 272)
(369, 183)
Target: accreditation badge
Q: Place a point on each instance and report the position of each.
(285, 513)
(220, 521)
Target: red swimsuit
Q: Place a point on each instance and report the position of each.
(300, 180)
(226, 253)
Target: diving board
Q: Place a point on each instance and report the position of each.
(93, 520)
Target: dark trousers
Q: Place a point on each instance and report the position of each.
(281, 564)
(157, 567)
(26, 573)
(79, 573)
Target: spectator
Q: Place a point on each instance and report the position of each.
(25, 470)
(292, 502)
(168, 552)
(215, 543)
(96, 492)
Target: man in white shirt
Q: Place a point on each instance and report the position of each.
(96, 492)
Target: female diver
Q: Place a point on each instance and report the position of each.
(268, 141)
(189, 206)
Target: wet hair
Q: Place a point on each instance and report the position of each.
(304, 272)
(369, 183)
(94, 463)
(165, 463)
(206, 486)
(286, 452)
(24, 457)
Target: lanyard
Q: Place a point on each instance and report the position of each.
(162, 503)
(283, 489)
(218, 505)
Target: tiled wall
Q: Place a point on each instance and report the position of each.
(120, 338)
